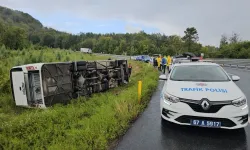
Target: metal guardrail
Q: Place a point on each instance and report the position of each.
(233, 63)
(115, 56)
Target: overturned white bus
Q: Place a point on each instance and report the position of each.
(45, 84)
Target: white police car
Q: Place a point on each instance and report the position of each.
(203, 94)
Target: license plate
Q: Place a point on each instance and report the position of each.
(206, 123)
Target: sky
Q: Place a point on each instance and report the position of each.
(211, 18)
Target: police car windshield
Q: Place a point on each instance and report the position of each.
(199, 73)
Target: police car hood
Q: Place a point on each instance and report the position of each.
(214, 91)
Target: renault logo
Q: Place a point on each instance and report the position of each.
(205, 105)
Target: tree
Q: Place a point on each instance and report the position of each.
(2, 33)
(123, 46)
(15, 38)
(22, 38)
(89, 43)
(176, 44)
(35, 39)
(223, 40)
(48, 40)
(191, 36)
(19, 30)
(234, 38)
(244, 53)
(59, 41)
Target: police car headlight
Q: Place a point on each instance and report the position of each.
(171, 98)
(239, 102)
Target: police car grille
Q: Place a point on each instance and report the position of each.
(212, 109)
(224, 122)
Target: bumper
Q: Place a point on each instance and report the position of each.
(231, 117)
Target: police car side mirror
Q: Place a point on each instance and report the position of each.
(163, 77)
(235, 78)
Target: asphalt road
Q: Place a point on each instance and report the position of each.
(149, 133)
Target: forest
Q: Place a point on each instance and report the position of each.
(20, 31)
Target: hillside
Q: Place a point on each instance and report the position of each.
(19, 19)
(20, 30)
(35, 33)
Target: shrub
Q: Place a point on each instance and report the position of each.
(58, 56)
(40, 57)
(67, 58)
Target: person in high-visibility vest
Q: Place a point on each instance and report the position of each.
(169, 61)
(159, 62)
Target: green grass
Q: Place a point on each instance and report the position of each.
(84, 124)
(8, 59)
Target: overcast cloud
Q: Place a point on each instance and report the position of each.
(212, 18)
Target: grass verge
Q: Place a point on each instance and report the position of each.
(10, 58)
(85, 123)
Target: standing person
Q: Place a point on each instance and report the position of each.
(166, 60)
(164, 63)
(159, 63)
(152, 61)
(155, 62)
(169, 62)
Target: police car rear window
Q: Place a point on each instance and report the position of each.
(202, 73)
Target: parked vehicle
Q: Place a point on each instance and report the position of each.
(86, 50)
(144, 58)
(187, 56)
(203, 94)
